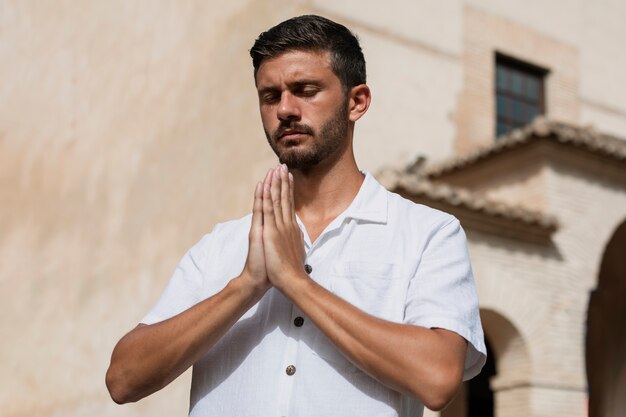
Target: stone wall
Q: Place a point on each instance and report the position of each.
(487, 33)
(542, 291)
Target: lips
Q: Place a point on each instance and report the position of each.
(290, 134)
(291, 131)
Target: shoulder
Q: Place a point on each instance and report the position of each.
(232, 227)
(232, 231)
(414, 215)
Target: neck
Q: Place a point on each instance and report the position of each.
(325, 191)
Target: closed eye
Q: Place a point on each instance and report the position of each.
(306, 90)
(269, 97)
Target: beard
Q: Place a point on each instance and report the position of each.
(332, 136)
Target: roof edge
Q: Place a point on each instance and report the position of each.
(473, 209)
(585, 138)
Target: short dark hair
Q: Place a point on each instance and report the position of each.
(314, 33)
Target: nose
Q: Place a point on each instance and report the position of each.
(288, 108)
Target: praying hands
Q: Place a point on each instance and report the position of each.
(276, 254)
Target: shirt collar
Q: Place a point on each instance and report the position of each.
(370, 203)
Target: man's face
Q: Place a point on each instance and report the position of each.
(304, 109)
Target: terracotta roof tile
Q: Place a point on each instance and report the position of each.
(415, 180)
(418, 187)
(541, 129)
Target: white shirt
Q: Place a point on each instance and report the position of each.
(390, 257)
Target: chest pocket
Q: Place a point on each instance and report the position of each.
(374, 287)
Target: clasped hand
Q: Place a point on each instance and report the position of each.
(276, 252)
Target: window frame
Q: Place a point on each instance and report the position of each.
(528, 71)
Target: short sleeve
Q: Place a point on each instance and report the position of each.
(442, 293)
(185, 286)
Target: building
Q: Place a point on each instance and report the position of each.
(124, 128)
(544, 212)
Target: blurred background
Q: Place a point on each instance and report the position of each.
(129, 128)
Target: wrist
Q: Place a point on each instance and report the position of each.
(249, 288)
(294, 284)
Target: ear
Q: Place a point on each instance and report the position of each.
(359, 101)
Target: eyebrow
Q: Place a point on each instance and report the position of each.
(266, 90)
(302, 83)
(295, 84)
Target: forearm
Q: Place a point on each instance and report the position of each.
(151, 356)
(424, 363)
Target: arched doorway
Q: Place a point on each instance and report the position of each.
(478, 390)
(606, 332)
(504, 375)
(475, 398)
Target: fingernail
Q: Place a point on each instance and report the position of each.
(290, 176)
(284, 167)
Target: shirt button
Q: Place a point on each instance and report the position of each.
(298, 321)
(290, 370)
(308, 269)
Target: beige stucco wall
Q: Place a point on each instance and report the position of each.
(602, 63)
(415, 74)
(128, 129)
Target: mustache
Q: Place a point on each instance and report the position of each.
(292, 126)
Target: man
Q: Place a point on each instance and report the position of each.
(335, 297)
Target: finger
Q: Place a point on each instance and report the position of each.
(268, 209)
(257, 208)
(285, 186)
(292, 200)
(268, 176)
(275, 193)
(266, 181)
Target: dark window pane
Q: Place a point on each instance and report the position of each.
(501, 77)
(508, 103)
(532, 88)
(516, 83)
(501, 105)
(518, 112)
(502, 129)
(519, 94)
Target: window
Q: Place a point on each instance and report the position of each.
(519, 93)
